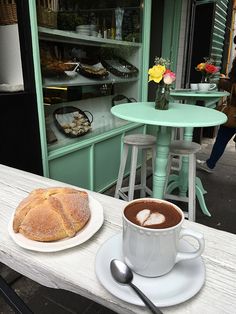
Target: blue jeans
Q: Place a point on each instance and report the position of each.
(223, 137)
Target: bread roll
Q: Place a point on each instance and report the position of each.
(52, 214)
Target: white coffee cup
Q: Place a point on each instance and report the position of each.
(204, 87)
(194, 86)
(153, 252)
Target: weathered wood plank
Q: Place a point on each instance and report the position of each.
(73, 269)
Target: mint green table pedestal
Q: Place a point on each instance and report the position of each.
(163, 145)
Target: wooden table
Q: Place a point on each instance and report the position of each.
(73, 269)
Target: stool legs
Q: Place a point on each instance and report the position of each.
(191, 188)
(134, 157)
(121, 170)
(143, 173)
(191, 199)
(154, 154)
(121, 191)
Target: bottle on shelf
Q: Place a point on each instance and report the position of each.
(104, 28)
(113, 26)
(99, 34)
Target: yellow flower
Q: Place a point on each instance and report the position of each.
(201, 66)
(156, 73)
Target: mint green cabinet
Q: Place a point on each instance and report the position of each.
(92, 160)
(96, 165)
(106, 162)
(73, 168)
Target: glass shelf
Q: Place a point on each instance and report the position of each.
(56, 35)
(83, 81)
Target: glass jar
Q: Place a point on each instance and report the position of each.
(162, 97)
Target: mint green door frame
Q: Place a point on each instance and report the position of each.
(147, 7)
(38, 85)
(171, 31)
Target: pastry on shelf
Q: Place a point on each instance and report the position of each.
(120, 67)
(56, 67)
(72, 121)
(95, 71)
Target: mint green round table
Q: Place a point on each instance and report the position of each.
(210, 98)
(177, 116)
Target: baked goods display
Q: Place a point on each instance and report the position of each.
(120, 67)
(52, 63)
(72, 121)
(94, 71)
(54, 67)
(52, 214)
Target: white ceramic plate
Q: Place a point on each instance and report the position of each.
(93, 225)
(179, 285)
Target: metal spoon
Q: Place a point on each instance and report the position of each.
(123, 274)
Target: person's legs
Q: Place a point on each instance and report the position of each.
(223, 137)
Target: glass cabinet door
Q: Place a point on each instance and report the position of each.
(90, 57)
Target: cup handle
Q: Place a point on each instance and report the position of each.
(212, 86)
(191, 255)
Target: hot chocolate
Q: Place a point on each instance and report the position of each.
(152, 214)
(152, 229)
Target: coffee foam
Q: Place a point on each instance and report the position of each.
(146, 218)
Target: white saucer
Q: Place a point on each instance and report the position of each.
(179, 285)
(93, 225)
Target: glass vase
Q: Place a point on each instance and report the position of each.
(205, 79)
(162, 97)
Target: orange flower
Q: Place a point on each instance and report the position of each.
(201, 67)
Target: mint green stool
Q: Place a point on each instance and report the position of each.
(135, 142)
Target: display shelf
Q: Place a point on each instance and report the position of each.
(103, 121)
(81, 160)
(107, 124)
(83, 81)
(55, 35)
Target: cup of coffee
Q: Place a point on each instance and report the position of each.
(152, 229)
(194, 86)
(204, 87)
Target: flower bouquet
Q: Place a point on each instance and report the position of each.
(164, 77)
(207, 69)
